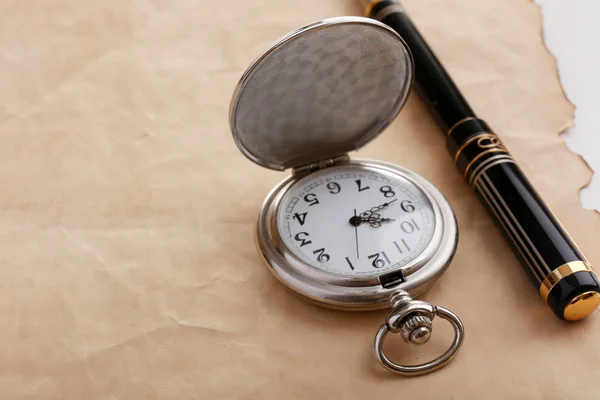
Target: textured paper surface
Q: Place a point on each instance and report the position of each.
(128, 268)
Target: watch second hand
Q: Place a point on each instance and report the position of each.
(356, 235)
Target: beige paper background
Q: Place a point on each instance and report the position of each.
(127, 262)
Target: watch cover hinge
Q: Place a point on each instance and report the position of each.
(328, 162)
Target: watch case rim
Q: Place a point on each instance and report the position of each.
(357, 292)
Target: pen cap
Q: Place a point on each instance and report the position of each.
(572, 290)
(321, 91)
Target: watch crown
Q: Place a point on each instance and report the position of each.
(416, 330)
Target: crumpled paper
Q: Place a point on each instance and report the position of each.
(128, 268)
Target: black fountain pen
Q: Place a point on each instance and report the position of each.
(550, 257)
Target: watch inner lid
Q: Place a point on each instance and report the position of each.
(321, 91)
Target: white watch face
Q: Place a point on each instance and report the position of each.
(355, 220)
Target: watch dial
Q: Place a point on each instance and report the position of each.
(355, 220)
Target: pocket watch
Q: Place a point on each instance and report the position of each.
(345, 233)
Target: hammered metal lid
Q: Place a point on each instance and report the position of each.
(321, 91)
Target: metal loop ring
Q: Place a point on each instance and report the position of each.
(432, 365)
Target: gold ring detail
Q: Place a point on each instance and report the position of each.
(559, 273)
(458, 123)
(471, 140)
(483, 153)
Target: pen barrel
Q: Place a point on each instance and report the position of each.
(436, 88)
(554, 263)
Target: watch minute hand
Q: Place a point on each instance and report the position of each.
(373, 210)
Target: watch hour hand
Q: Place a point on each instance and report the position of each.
(377, 222)
(371, 216)
(374, 221)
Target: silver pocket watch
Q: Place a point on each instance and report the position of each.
(345, 233)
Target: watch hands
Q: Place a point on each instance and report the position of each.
(375, 222)
(378, 208)
(356, 234)
(371, 216)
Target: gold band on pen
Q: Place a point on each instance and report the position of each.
(478, 136)
(580, 306)
(478, 156)
(559, 273)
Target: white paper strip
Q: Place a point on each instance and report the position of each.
(572, 32)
